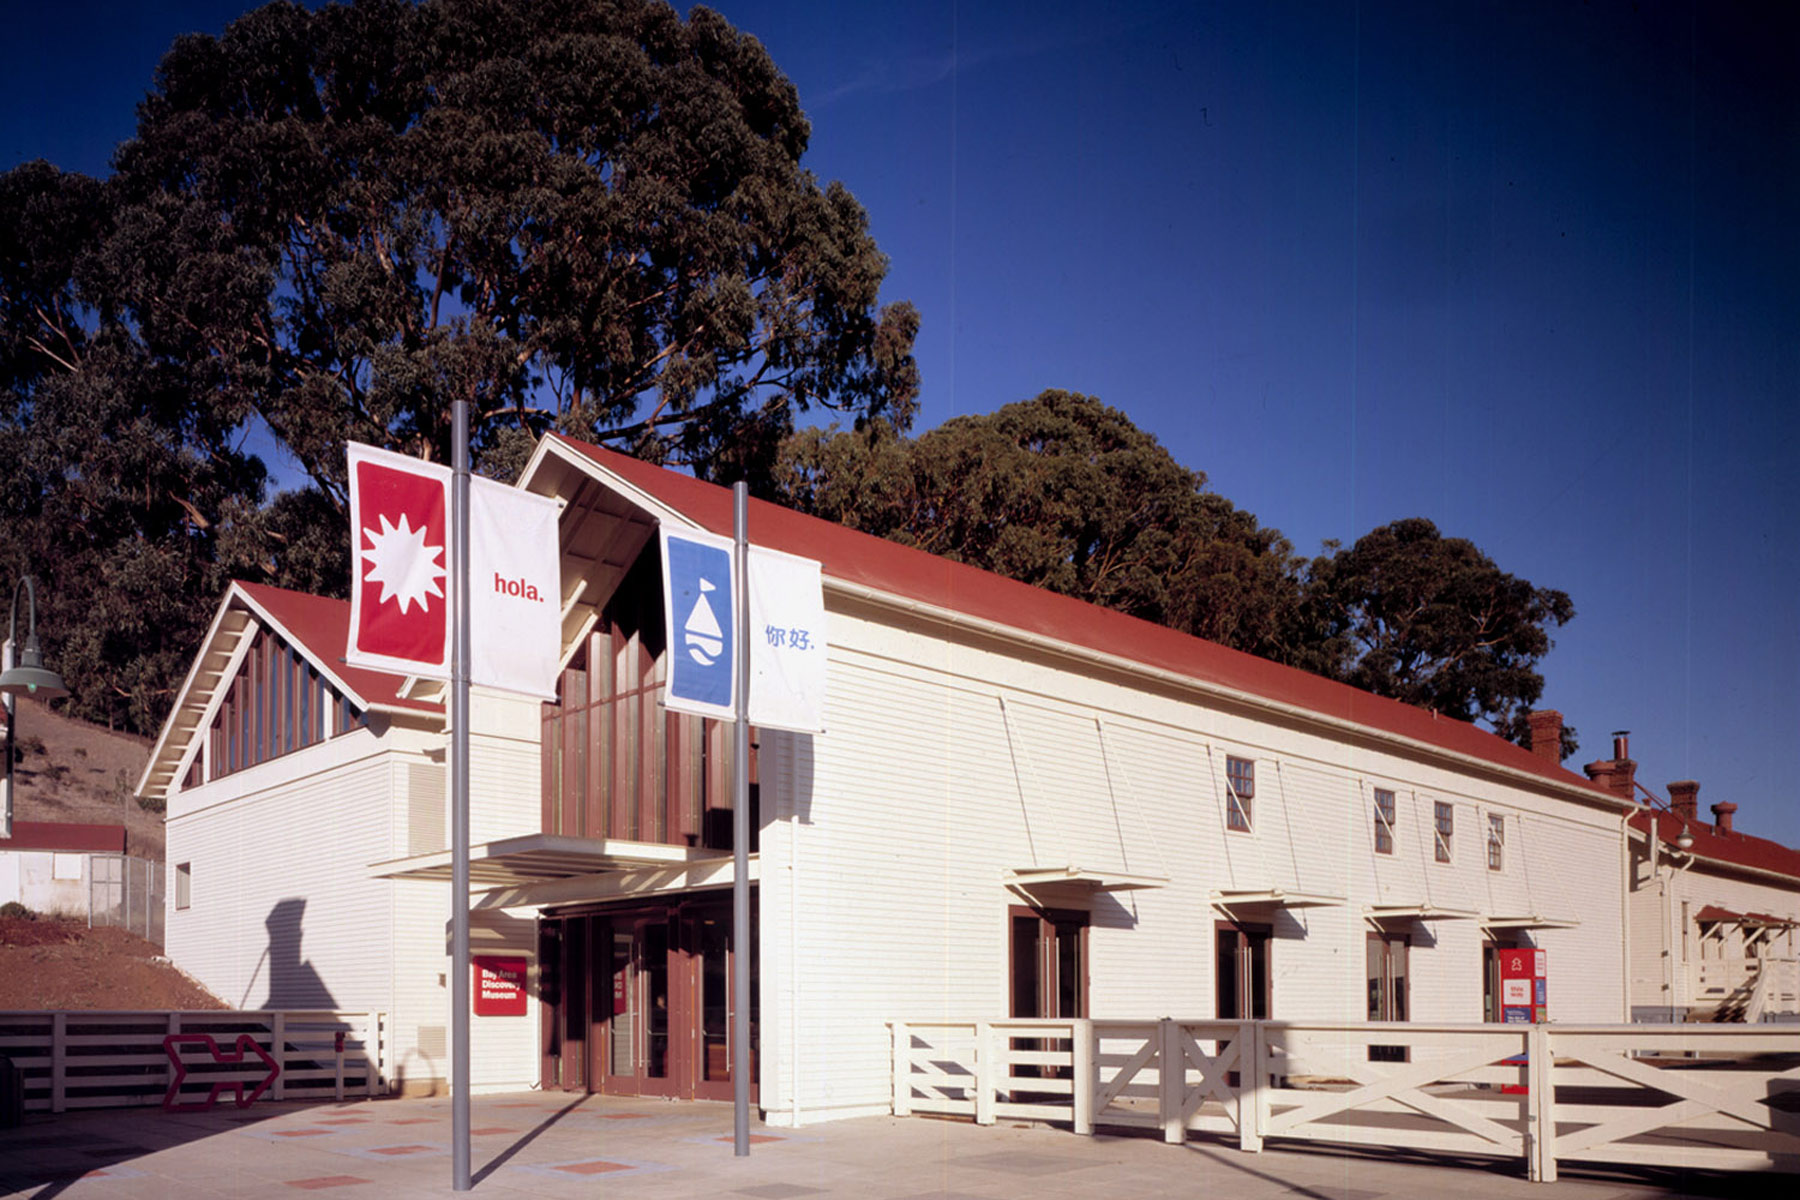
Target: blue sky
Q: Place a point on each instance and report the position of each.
(1531, 270)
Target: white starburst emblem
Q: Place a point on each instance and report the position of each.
(404, 566)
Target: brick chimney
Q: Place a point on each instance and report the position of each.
(1617, 775)
(1546, 734)
(1722, 815)
(1684, 799)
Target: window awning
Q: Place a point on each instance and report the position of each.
(1712, 912)
(1227, 898)
(1417, 912)
(1530, 922)
(1029, 878)
(540, 857)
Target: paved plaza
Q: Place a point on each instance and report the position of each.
(548, 1145)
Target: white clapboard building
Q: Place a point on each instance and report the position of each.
(1020, 805)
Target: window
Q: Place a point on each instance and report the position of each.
(1443, 821)
(1240, 792)
(276, 705)
(1384, 821)
(1496, 842)
(184, 885)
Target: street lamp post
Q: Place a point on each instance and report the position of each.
(29, 677)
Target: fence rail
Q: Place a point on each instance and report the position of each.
(1719, 1097)
(117, 1059)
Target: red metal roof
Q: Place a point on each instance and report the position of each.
(1739, 849)
(322, 629)
(66, 836)
(913, 574)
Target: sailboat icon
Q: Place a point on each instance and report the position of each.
(705, 640)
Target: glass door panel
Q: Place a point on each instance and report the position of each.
(715, 1000)
(653, 939)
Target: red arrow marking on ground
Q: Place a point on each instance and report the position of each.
(244, 1042)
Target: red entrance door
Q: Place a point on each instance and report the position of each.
(658, 1015)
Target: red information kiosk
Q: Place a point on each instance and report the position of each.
(1524, 980)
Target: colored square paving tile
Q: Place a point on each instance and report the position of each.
(779, 1191)
(491, 1130)
(625, 1116)
(415, 1121)
(756, 1139)
(343, 1121)
(591, 1168)
(397, 1151)
(582, 1167)
(325, 1181)
(300, 1133)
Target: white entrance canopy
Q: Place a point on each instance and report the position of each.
(1379, 913)
(1272, 898)
(1530, 922)
(540, 857)
(1026, 879)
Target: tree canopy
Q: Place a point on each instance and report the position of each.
(1431, 620)
(1065, 493)
(586, 215)
(581, 214)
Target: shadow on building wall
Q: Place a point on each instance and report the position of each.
(293, 983)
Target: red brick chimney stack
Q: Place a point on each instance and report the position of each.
(1684, 799)
(1546, 734)
(1619, 774)
(1722, 815)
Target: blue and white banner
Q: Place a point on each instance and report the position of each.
(787, 642)
(786, 633)
(699, 594)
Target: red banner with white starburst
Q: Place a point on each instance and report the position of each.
(400, 563)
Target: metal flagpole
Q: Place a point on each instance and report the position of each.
(740, 829)
(12, 749)
(459, 796)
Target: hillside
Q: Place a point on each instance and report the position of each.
(72, 771)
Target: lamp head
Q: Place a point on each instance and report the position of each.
(1684, 840)
(30, 677)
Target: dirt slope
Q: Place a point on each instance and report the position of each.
(51, 964)
(73, 771)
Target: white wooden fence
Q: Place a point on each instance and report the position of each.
(117, 1059)
(1710, 1097)
(1754, 987)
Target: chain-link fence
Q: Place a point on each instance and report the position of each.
(127, 892)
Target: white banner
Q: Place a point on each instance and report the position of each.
(515, 589)
(787, 642)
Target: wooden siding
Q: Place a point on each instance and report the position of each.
(285, 909)
(947, 763)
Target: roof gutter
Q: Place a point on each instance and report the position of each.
(995, 629)
(1694, 856)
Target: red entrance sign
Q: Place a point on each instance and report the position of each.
(499, 986)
